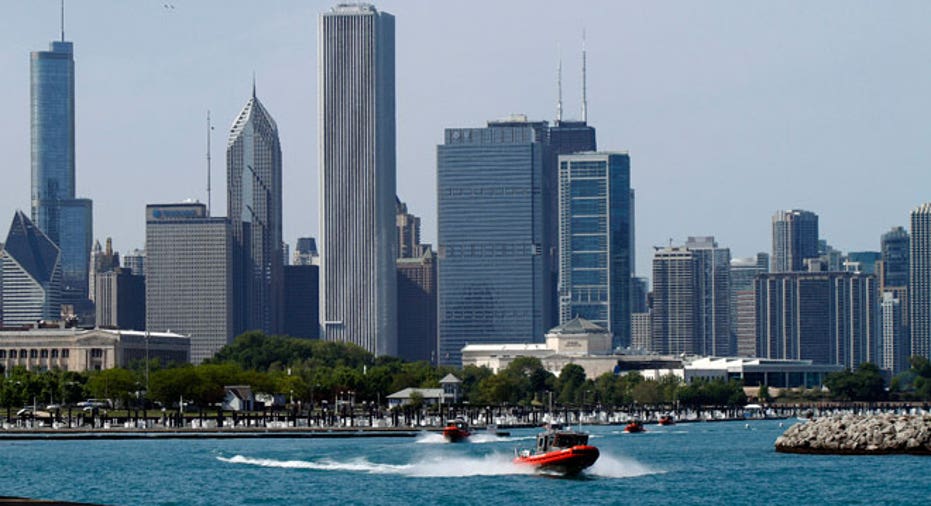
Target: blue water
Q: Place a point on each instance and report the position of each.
(699, 463)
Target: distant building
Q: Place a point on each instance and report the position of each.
(675, 315)
(408, 228)
(713, 279)
(863, 261)
(102, 260)
(417, 308)
(88, 350)
(639, 293)
(305, 253)
(894, 338)
(356, 133)
(743, 302)
(755, 372)
(30, 276)
(795, 238)
(301, 301)
(594, 241)
(120, 300)
(640, 332)
(65, 219)
(189, 276)
(254, 195)
(135, 262)
(826, 317)
(919, 287)
(830, 258)
(895, 255)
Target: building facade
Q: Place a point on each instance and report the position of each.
(356, 129)
(894, 339)
(65, 219)
(826, 317)
(795, 239)
(253, 164)
(120, 300)
(594, 241)
(417, 323)
(743, 302)
(919, 287)
(189, 276)
(714, 289)
(491, 262)
(301, 301)
(408, 228)
(675, 316)
(30, 275)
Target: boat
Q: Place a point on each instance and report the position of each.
(565, 452)
(666, 420)
(456, 430)
(492, 430)
(634, 426)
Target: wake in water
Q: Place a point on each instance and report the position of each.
(495, 464)
(433, 438)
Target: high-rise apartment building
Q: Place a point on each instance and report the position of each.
(895, 253)
(64, 219)
(826, 317)
(30, 275)
(356, 129)
(675, 317)
(894, 341)
(408, 227)
(743, 302)
(714, 295)
(135, 262)
(919, 281)
(594, 241)
(491, 260)
(189, 276)
(417, 307)
(795, 239)
(253, 163)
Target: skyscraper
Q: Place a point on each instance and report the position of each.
(188, 287)
(919, 287)
(714, 295)
(30, 275)
(120, 299)
(743, 302)
(675, 317)
(408, 227)
(895, 251)
(253, 163)
(795, 238)
(358, 275)
(66, 220)
(417, 307)
(594, 241)
(302, 301)
(894, 345)
(490, 233)
(305, 252)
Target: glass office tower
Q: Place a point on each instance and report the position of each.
(67, 221)
(594, 241)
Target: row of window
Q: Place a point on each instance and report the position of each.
(45, 353)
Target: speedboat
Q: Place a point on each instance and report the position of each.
(634, 426)
(559, 451)
(456, 430)
(666, 420)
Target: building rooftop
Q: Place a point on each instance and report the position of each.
(578, 325)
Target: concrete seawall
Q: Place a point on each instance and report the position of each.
(859, 435)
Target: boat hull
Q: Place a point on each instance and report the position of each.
(455, 435)
(567, 461)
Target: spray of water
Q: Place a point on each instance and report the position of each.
(610, 466)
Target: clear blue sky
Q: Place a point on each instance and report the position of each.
(730, 109)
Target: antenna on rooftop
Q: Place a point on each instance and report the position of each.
(62, 20)
(558, 87)
(209, 128)
(584, 99)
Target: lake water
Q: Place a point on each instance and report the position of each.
(697, 463)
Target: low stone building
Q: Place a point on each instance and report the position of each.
(39, 349)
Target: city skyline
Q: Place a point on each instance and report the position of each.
(755, 104)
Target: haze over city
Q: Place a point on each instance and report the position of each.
(730, 111)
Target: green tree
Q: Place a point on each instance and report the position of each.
(570, 385)
(117, 384)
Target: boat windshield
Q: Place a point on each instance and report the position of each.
(568, 440)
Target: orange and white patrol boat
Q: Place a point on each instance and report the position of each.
(560, 451)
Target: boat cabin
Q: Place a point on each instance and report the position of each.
(560, 439)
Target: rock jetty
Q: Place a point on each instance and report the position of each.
(859, 435)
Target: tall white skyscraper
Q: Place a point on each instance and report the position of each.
(356, 113)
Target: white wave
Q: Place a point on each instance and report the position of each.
(609, 466)
(432, 467)
(430, 438)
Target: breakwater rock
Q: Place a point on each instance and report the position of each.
(859, 435)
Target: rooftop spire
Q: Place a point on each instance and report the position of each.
(62, 20)
(559, 89)
(253, 84)
(584, 99)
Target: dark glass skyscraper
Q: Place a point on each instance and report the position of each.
(594, 241)
(67, 221)
(490, 233)
(253, 163)
(795, 239)
(30, 275)
(895, 245)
